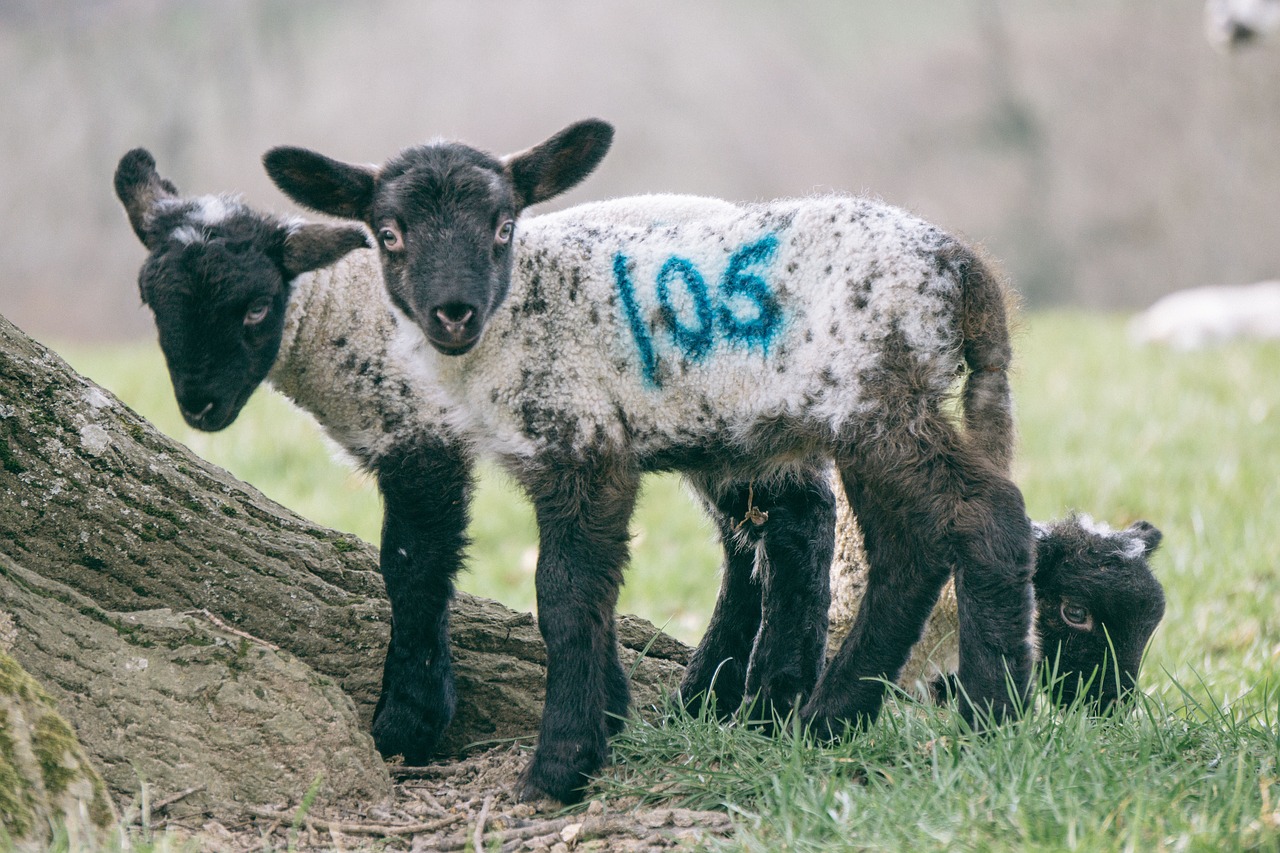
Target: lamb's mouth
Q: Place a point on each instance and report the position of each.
(453, 346)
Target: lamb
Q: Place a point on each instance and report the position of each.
(1202, 316)
(734, 343)
(240, 297)
(1097, 605)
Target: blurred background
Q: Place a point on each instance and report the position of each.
(1100, 148)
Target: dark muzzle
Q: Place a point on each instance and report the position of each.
(453, 328)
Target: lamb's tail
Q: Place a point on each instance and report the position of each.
(988, 404)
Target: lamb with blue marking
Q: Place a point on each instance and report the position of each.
(733, 343)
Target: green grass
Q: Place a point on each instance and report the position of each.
(1168, 775)
(1190, 442)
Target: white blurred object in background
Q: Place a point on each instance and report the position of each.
(1200, 316)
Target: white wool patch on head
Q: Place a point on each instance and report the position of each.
(496, 182)
(1097, 528)
(1128, 546)
(213, 209)
(204, 212)
(1132, 547)
(187, 234)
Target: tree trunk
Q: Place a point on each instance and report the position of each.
(193, 631)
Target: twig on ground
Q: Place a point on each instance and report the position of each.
(173, 798)
(425, 796)
(367, 828)
(484, 815)
(230, 630)
(271, 830)
(663, 823)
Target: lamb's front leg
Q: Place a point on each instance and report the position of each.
(717, 671)
(767, 636)
(426, 491)
(799, 545)
(582, 526)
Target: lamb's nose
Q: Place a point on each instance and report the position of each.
(196, 417)
(454, 316)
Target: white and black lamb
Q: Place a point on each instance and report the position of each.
(732, 343)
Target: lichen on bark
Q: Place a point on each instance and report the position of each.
(46, 779)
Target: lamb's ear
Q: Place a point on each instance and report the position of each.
(315, 245)
(139, 186)
(322, 183)
(548, 169)
(1147, 533)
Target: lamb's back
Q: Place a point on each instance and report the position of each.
(668, 321)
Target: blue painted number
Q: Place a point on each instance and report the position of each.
(744, 311)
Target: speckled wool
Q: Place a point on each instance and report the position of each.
(660, 324)
(336, 362)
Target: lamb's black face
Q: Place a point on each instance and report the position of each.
(444, 216)
(217, 281)
(219, 306)
(1098, 604)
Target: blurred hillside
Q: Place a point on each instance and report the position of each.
(1100, 148)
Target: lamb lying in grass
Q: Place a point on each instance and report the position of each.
(731, 343)
(1097, 604)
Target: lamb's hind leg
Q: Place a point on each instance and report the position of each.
(423, 536)
(778, 569)
(922, 516)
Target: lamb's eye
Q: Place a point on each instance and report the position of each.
(389, 237)
(505, 231)
(1076, 616)
(257, 312)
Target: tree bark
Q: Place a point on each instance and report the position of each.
(177, 614)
